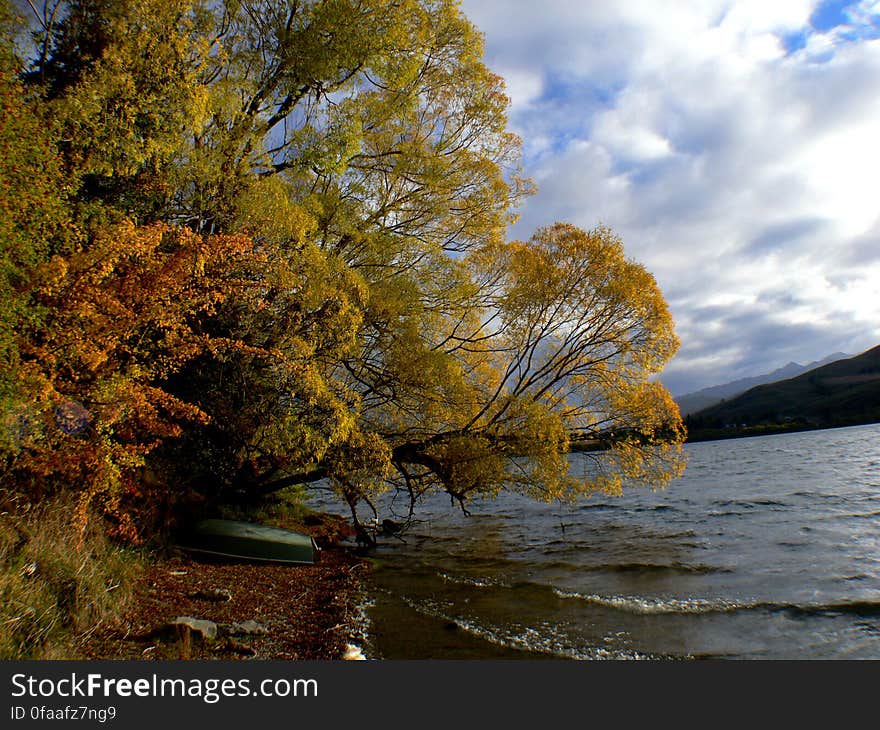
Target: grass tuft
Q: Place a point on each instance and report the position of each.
(57, 586)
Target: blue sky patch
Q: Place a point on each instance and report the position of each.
(599, 94)
(831, 14)
(793, 42)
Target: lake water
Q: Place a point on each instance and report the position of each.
(766, 548)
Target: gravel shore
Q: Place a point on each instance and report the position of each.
(296, 612)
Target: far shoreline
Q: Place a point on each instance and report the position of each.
(725, 434)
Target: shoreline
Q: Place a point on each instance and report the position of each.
(726, 434)
(260, 610)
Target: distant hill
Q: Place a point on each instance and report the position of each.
(842, 393)
(697, 401)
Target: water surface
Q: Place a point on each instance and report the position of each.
(766, 548)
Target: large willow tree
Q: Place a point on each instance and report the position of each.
(370, 325)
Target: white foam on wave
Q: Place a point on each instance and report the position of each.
(540, 639)
(634, 604)
(476, 582)
(359, 628)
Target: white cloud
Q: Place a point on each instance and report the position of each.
(524, 87)
(743, 175)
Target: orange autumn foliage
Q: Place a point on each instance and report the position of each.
(119, 316)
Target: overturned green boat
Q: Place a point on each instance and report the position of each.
(247, 541)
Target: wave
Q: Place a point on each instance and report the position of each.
(689, 568)
(648, 568)
(749, 503)
(633, 604)
(360, 625)
(475, 582)
(864, 609)
(649, 606)
(537, 640)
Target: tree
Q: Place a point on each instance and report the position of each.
(33, 223)
(370, 324)
(116, 319)
(557, 341)
(119, 86)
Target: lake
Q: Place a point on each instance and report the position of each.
(766, 548)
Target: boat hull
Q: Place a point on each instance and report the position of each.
(247, 541)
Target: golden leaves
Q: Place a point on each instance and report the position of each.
(575, 330)
(361, 311)
(358, 465)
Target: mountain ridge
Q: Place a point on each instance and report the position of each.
(841, 393)
(706, 397)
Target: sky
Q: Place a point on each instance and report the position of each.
(734, 146)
